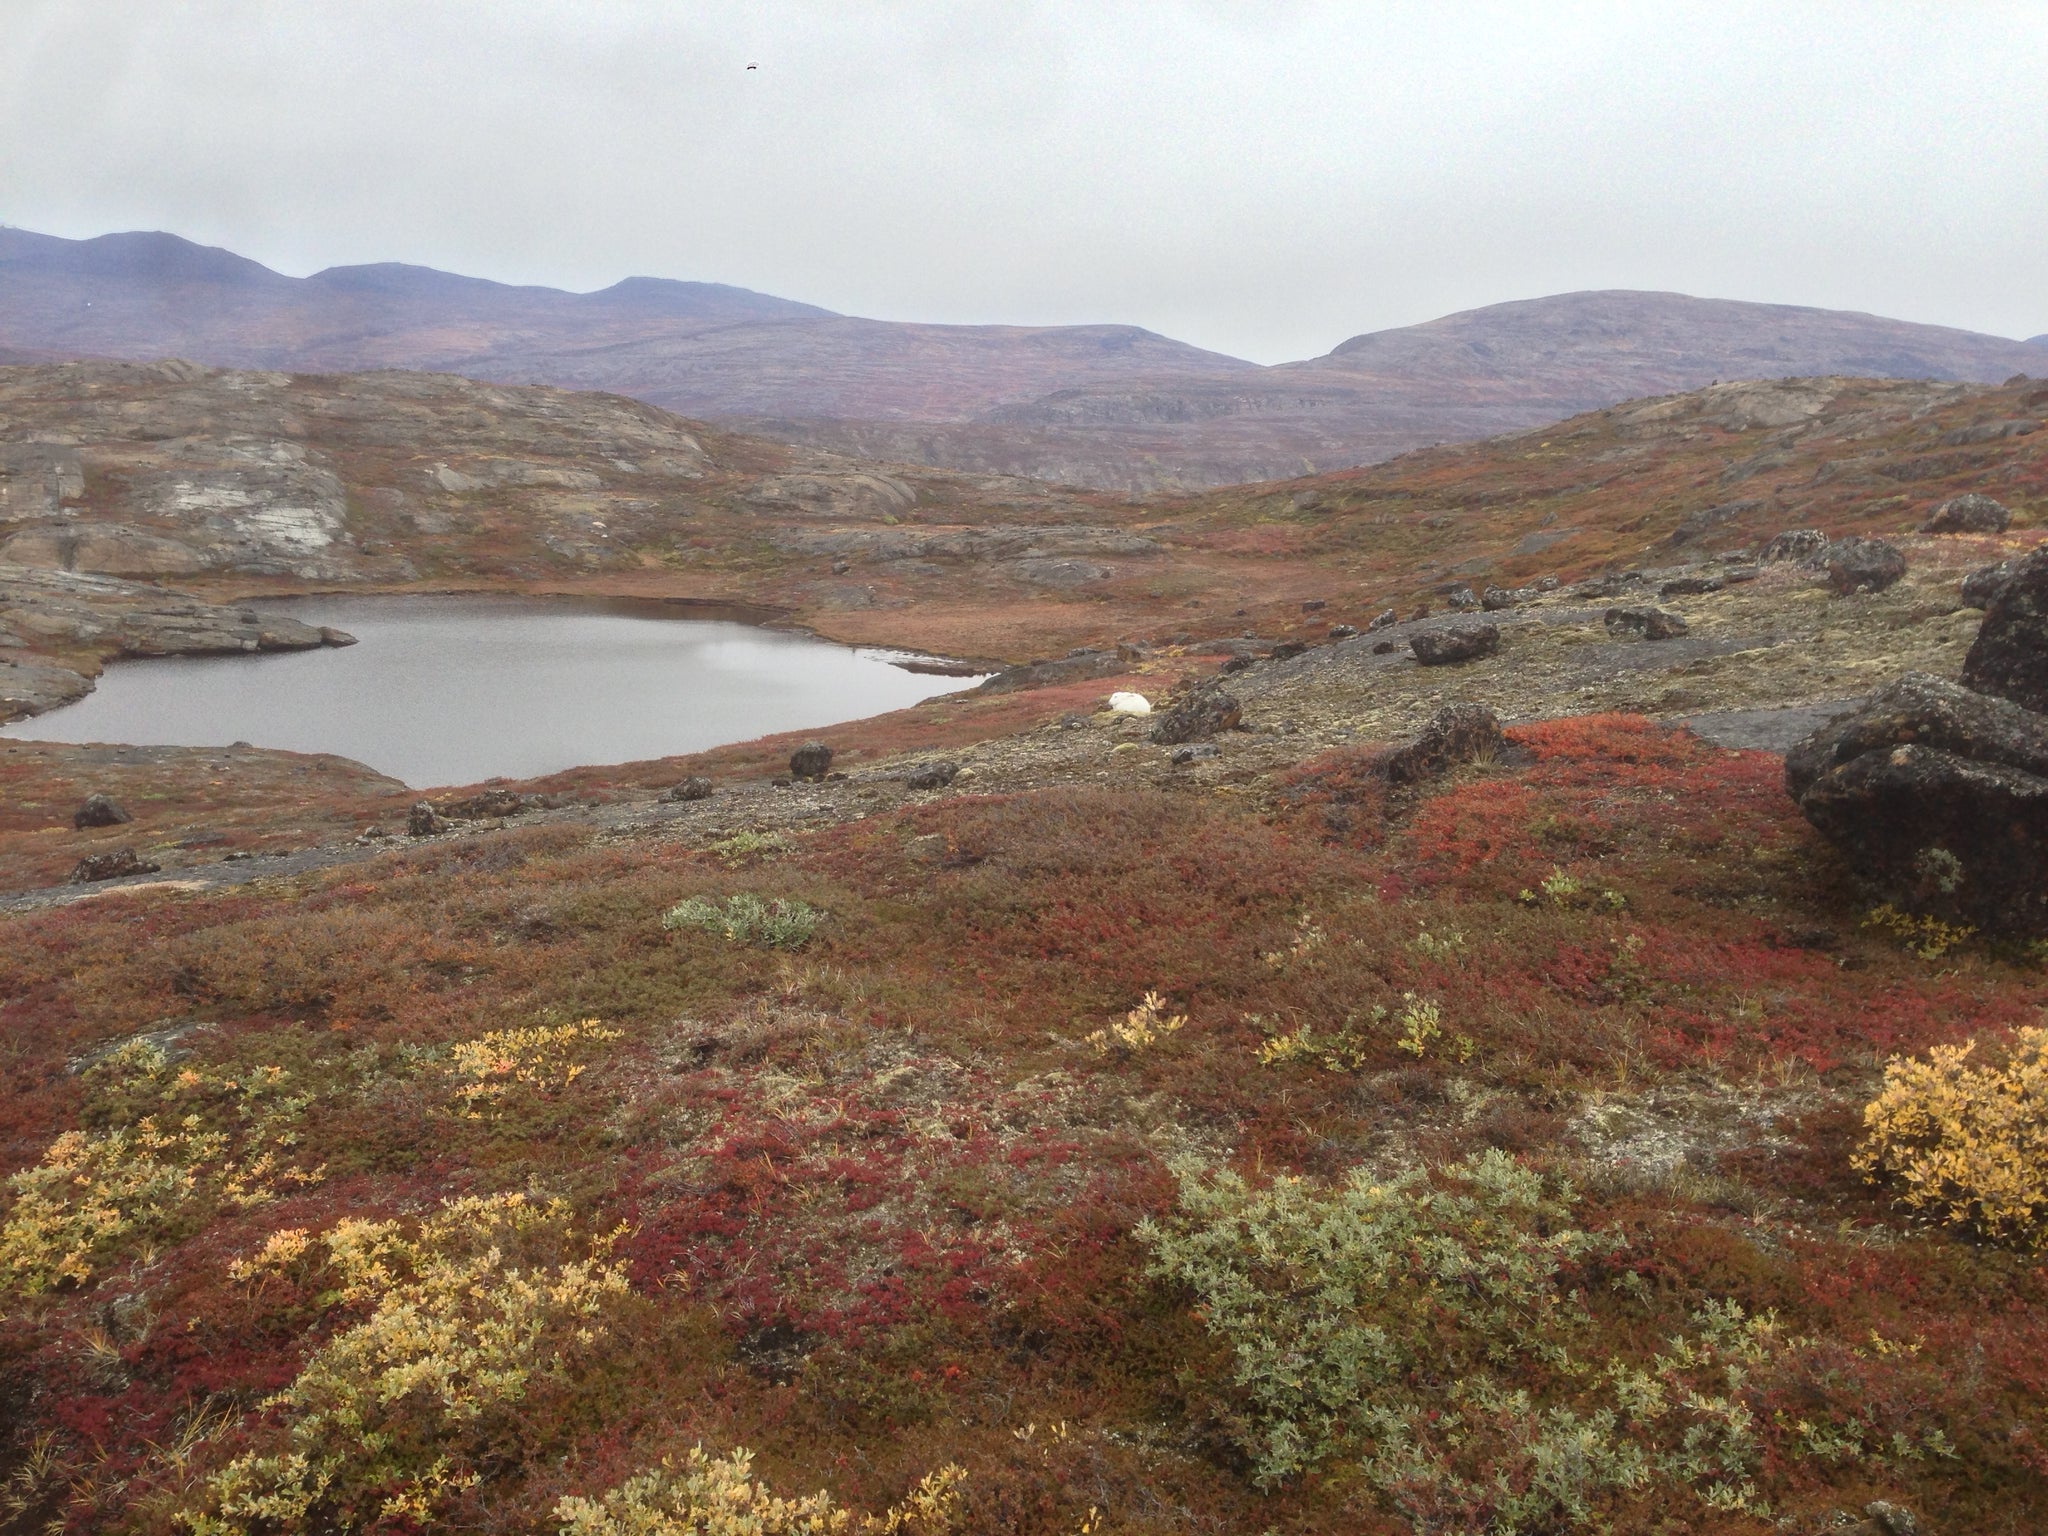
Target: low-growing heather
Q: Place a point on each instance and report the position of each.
(719, 1496)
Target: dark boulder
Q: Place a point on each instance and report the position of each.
(1650, 623)
(936, 774)
(424, 821)
(2009, 657)
(113, 865)
(1938, 798)
(99, 811)
(1196, 716)
(1234, 664)
(1969, 514)
(1981, 586)
(1862, 565)
(1195, 752)
(1454, 643)
(812, 760)
(1457, 733)
(1287, 650)
(1799, 545)
(695, 787)
(1691, 586)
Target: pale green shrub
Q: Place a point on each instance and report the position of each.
(748, 919)
(718, 1496)
(1419, 1330)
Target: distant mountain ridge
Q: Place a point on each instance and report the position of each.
(1112, 406)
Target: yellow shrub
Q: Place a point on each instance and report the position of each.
(1970, 1143)
(1143, 1027)
(542, 1058)
(392, 1414)
(181, 1139)
(717, 1496)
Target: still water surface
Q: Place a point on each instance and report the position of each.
(450, 690)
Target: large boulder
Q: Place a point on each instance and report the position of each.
(1938, 797)
(1457, 733)
(1982, 585)
(115, 865)
(1971, 513)
(2009, 657)
(1197, 716)
(1863, 565)
(812, 760)
(1796, 545)
(99, 811)
(1650, 623)
(1466, 641)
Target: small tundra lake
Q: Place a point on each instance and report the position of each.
(450, 690)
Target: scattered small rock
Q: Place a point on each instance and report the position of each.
(812, 760)
(2009, 657)
(1650, 623)
(1382, 620)
(1314, 605)
(1343, 631)
(695, 787)
(1198, 715)
(1464, 599)
(1195, 752)
(1234, 664)
(1455, 643)
(424, 821)
(112, 865)
(936, 774)
(99, 811)
(1287, 650)
(1863, 565)
(1794, 544)
(1457, 733)
(1971, 513)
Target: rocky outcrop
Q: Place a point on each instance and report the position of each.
(1455, 643)
(1938, 797)
(2009, 657)
(1863, 565)
(73, 615)
(1969, 514)
(1980, 587)
(1078, 667)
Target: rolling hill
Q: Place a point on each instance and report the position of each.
(1109, 406)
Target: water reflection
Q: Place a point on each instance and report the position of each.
(449, 690)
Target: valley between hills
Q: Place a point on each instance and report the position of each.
(1411, 1074)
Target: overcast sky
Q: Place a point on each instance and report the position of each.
(1265, 179)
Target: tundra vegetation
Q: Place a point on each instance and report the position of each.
(1565, 1142)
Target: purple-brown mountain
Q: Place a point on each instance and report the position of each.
(1104, 405)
